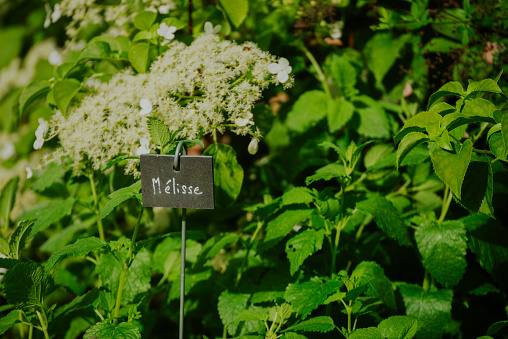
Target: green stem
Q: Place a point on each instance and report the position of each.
(349, 311)
(246, 257)
(321, 75)
(447, 199)
(96, 206)
(426, 282)
(44, 326)
(126, 265)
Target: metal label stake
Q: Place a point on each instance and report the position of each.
(178, 181)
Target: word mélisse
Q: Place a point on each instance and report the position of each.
(172, 187)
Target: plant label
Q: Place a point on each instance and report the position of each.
(189, 187)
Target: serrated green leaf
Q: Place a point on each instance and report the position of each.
(4, 248)
(498, 147)
(64, 91)
(387, 218)
(485, 85)
(119, 196)
(373, 122)
(408, 143)
(144, 20)
(52, 172)
(451, 167)
(317, 324)
(303, 245)
(252, 316)
(343, 74)
(214, 245)
(331, 171)
(236, 10)
(371, 273)
(398, 327)
(298, 195)
(418, 123)
(479, 109)
(49, 214)
(7, 199)
(376, 154)
(432, 309)
(443, 249)
(159, 132)
(230, 306)
(451, 88)
(307, 111)
(356, 292)
(20, 237)
(8, 262)
(496, 327)
(293, 335)
(308, 296)
(35, 90)
(139, 56)
(90, 298)
(137, 279)
(8, 321)
(443, 108)
(380, 53)
(279, 227)
(227, 173)
(504, 132)
(478, 187)
(80, 248)
(108, 330)
(26, 285)
(366, 333)
(338, 112)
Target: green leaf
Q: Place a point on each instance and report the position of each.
(317, 324)
(371, 273)
(35, 90)
(504, 131)
(479, 109)
(159, 132)
(339, 112)
(26, 285)
(343, 74)
(307, 296)
(450, 88)
(373, 122)
(443, 249)
(236, 10)
(498, 147)
(139, 56)
(432, 309)
(496, 327)
(279, 227)
(356, 292)
(307, 111)
(485, 85)
(11, 38)
(328, 172)
(252, 316)
(376, 154)
(4, 248)
(298, 195)
(478, 186)
(303, 245)
(20, 237)
(292, 335)
(52, 173)
(442, 45)
(230, 306)
(387, 218)
(106, 329)
(90, 298)
(380, 52)
(214, 245)
(79, 248)
(451, 167)
(137, 279)
(366, 333)
(8, 262)
(418, 123)
(7, 199)
(116, 160)
(119, 196)
(48, 214)
(7, 321)
(408, 143)
(95, 50)
(227, 173)
(64, 91)
(144, 20)
(398, 327)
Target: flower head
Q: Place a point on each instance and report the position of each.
(146, 106)
(164, 9)
(282, 69)
(167, 32)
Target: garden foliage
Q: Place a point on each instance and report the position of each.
(360, 160)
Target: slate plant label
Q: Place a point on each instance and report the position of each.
(190, 187)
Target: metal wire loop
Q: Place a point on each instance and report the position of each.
(176, 165)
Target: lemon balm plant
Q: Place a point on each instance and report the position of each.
(351, 201)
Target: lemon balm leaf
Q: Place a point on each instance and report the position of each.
(64, 91)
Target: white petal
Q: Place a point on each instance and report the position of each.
(28, 172)
(38, 143)
(142, 150)
(55, 58)
(146, 106)
(274, 68)
(283, 62)
(282, 76)
(288, 70)
(57, 13)
(169, 36)
(144, 142)
(208, 27)
(164, 9)
(172, 29)
(216, 29)
(240, 122)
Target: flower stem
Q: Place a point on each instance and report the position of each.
(126, 265)
(96, 206)
(246, 257)
(44, 326)
(447, 199)
(320, 74)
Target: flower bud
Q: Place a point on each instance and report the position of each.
(253, 146)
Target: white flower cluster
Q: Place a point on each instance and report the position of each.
(208, 86)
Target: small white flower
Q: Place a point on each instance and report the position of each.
(164, 9)
(146, 106)
(55, 58)
(167, 32)
(57, 13)
(253, 146)
(336, 29)
(240, 122)
(144, 148)
(7, 150)
(209, 29)
(28, 172)
(38, 143)
(47, 22)
(42, 129)
(282, 69)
